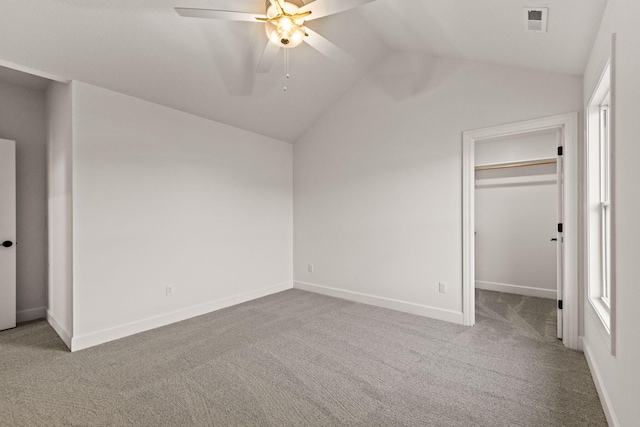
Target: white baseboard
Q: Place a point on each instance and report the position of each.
(62, 332)
(31, 314)
(121, 331)
(393, 304)
(518, 290)
(612, 420)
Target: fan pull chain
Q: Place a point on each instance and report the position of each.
(286, 66)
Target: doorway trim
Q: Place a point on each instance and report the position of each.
(567, 124)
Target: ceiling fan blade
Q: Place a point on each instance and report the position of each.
(268, 57)
(300, 15)
(218, 14)
(327, 48)
(277, 5)
(322, 8)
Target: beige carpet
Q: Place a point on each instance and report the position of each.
(300, 359)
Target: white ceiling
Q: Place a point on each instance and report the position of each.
(491, 30)
(206, 67)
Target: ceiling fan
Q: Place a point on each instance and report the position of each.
(285, 25)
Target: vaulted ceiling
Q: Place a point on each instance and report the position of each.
(207, 67)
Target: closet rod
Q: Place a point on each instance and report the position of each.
(515, 165)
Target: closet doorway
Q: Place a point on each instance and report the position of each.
(521, 167)
(518, 206)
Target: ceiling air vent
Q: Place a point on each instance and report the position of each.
(535, 19)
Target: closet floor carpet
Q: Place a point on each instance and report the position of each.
(302, 359)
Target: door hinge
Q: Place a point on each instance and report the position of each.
(560, 150)
(560, 228)
(559, 304)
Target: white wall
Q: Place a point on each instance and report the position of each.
(377, 181)
(161, 197)
(516, 215)
(618, 376)
(22, 118)
(60, 206)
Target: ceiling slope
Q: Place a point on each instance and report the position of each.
(203, 67)
(491, 31)
(207, 67)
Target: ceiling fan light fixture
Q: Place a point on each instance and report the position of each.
(283, 30)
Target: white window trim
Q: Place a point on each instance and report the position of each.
(602, 309)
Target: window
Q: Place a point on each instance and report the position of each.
(605, 199)
(600, 206)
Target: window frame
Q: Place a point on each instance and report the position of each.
(600, 207)
(605, 200)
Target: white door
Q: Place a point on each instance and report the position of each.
(7, 234)
(559, 237)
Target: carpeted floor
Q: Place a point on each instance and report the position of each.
(301, 359)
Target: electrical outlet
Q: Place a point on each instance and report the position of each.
(310, 268)
(443, 287)
(169, 290)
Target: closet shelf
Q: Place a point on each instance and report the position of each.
(516, 164)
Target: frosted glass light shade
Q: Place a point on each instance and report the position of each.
(284, 31)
